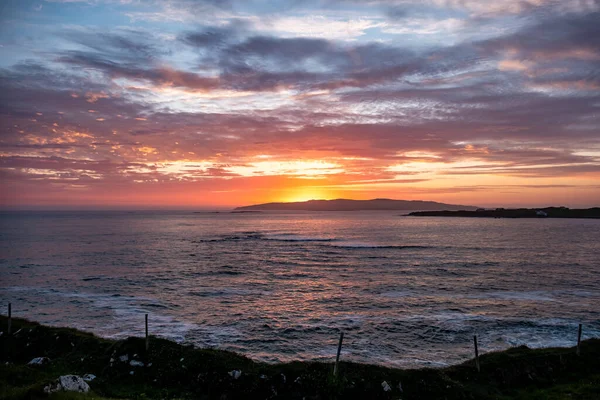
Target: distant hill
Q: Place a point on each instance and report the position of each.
(357, 205)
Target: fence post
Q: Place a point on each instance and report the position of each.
(147, 339)
(9, 317)
(337, 358)
(476, 353)
(578, 339)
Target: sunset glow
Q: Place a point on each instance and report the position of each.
(182, 103)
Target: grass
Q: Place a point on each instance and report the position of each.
(174, 371)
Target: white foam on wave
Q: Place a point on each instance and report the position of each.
(447, 316)
(109, 315)
(550, 332)
(120, 316)
(128, 318)
(214, 336)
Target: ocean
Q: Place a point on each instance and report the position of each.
(406, 291)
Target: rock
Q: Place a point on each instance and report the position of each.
(135, 363)
(124, 358)
(39, 361)
(181, 359)
(385, 386)
(68, 383)
(131, 372)
(263, 377)
(89, 377)
(235, 374)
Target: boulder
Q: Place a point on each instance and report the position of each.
(235, 374)
(385, 386)
(89, 377)
(39, 361)
(68, 383)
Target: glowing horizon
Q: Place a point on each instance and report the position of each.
(200, 104)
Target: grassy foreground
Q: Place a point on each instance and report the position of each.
(179, 371)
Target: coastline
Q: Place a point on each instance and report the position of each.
(172, 370)
(540, 213)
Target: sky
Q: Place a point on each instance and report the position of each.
(207, 103)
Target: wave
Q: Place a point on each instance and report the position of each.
(359, 245)
(297, 238)
(253, 235)
(514, 295)
(111, 315)
(226, 273)
(398, 293)
(154, 305)
(326, 241)
(95, 278)
(213, 273)
(227, 292)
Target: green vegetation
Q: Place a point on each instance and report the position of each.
(180, 371)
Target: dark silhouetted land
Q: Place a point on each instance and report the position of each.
(549, 212)
(124, 369)
(356, 205)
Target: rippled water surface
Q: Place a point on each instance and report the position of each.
(406, 291)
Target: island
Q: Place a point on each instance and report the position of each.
(548, 212)
(357, 205)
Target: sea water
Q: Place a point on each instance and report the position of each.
(406, 291)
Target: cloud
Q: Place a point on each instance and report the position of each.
(554, 37)
(318, 26)
(481, 8)
(183, 103)
(421, 26)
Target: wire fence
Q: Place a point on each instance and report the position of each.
(567, 351)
